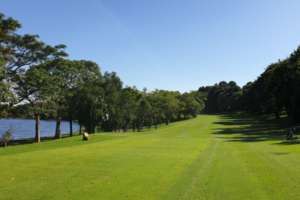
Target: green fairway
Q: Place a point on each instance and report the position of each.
(210, 157)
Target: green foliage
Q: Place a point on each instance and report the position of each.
(276, 90)
(189, 106)
(128, 107)
(112, 86)
(70, 89)
(222, 97)
(19, 53)
(7, 28)
(143, 114)
(86, 100)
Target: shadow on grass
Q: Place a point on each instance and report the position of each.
(289, 142)
(47, 143)
(246, 128)
(32, 141)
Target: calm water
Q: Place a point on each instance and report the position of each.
(23, 128)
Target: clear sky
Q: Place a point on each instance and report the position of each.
(167, 44)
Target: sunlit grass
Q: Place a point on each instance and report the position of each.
(195, 159)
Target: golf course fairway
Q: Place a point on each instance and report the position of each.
(209, 157)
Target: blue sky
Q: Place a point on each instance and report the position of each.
(167, 44)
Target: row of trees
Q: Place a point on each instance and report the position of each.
(37, 77)
(275, 91)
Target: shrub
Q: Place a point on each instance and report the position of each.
(7, 137)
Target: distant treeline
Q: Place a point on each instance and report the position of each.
(37, 80)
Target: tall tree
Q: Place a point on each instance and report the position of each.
(189, 106)
(19, 53)
(112, 86)
(128, 105)
(223, 97)
(143, 118)
(88, 98)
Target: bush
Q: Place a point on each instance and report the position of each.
(7, 137)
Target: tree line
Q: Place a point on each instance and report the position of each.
(38, 80)
(276, 91)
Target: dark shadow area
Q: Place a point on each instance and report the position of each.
(31, 140)
(240, 127)
(61, 143)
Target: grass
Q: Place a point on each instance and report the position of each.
(210, 157)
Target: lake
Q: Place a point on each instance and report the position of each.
(25, 128)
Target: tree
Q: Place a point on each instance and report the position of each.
(169, 105)
(112, 86)
(223, 97)
(128, 105)
(143, 114)
(35, 89)
(7, 28)
(190, 107)
(66, 83)
(157, 112)
(18, 53)
(6, 95)
(88, 97)
(276, 89)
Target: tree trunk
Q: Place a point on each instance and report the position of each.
(37, 128)
(277, 115)
(71, 127)
(80, 129)
(57, 129)
(91, 128)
